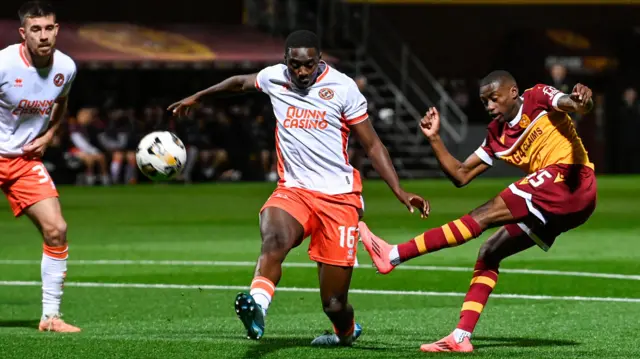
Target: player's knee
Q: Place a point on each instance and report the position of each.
(275, 242)
(490, 214)
(489, 254)
(55, 232)
(333, 305)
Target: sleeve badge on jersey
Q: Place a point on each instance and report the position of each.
(326, 93)
(58, 79)
(525, 121)
(550, 91)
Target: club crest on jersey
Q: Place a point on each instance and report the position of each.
(58, 80)
(525, 121)
(326, 93)
(17, 82)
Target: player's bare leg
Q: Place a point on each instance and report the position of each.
(334, 292)
(47, 216)
(117, 158)
(500, 245)
(280, 233)
(131, 172)
(386, 257)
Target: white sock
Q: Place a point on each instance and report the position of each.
(262, 291)
(91, 179)
(115, 171)
(53, 270)
(261, 297)
(105, 180)
(394, 256)
(459, 335)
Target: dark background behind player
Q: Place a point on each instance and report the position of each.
(233, 140)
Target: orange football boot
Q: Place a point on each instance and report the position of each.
(53, 323)
(448, 344)
(378, 249)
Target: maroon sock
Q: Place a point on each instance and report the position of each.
(450, 235)
(482, 284)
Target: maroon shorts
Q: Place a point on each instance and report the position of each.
(551, 201)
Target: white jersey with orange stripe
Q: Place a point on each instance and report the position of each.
(313, 129)
(27, 96)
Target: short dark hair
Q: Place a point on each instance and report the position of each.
(499, 76)
(35, 9)
(302, 38)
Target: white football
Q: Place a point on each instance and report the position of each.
(161, 155)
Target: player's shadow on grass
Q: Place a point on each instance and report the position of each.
(19, 323)
(488, 342)
(273, 344)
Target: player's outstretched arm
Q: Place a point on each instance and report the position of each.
(234, 84)
(579, 101)
(460, 173)
(377, 152)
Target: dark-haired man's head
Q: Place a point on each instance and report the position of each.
(302, 56)
(38, 27)
(499, 94)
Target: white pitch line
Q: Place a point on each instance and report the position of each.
(313, 265)
(315, 290)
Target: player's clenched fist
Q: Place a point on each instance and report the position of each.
(430, 123)
(581, 94)
(182, 107)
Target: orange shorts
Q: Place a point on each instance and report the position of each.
(25, 182)
(331, 220)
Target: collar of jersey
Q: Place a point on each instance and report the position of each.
(317, 79)
(518, 116)
(26, 63)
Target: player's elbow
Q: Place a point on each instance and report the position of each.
(461, 178)
(459, 183)
(373, 148)
(245, 83)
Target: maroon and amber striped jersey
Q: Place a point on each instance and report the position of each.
(540, 135)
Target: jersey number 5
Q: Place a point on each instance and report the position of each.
(536, 179)
(347, 236)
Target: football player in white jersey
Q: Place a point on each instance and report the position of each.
(35, 80)
(319, 192)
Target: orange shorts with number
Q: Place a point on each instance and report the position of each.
(25, 182)
(330, 220)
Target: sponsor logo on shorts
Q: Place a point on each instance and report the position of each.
(304, 118)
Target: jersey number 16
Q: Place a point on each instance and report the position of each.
(347, 236)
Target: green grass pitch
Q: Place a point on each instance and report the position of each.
(189, 249)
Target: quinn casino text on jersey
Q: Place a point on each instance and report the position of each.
(35, 107)
(301, 118)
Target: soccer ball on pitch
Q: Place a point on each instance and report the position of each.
(161, 155)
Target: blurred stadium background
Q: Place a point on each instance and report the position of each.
(153, 270)
(136, 58)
